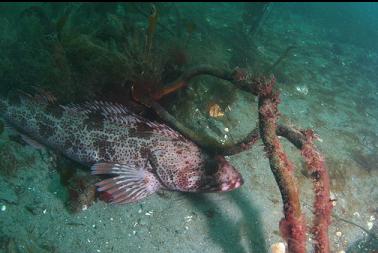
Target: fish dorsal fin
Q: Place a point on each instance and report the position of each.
(44, 96)
(105, 108)
(131, 184)
(165, 130)
(117, 113)
(38, 96)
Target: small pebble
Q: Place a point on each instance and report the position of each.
(278, 247)
(338, 233)
(370, 225)
(3, 208)
(302, 89)
(188, 218)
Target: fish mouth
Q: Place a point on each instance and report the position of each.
(229, 186)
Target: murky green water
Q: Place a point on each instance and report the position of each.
(325, 62)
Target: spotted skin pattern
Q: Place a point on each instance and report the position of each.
(103, 132)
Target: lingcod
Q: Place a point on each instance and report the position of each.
(139, 155)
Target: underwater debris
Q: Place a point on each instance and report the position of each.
(293, 225)
(323, 204)
(215, 111)
(79, 184)
(82, 192)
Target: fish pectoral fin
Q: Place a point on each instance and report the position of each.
(130, 185)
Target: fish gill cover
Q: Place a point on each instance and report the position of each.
(198, 67)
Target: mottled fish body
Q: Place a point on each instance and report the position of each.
(144, 156)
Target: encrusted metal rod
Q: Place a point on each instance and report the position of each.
(293, 225)
(315, 164)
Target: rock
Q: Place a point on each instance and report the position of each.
(278, 247)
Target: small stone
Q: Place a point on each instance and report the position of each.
(278, 247)
(3, 208)
(338, 233)
(302, 89)
(370, 225)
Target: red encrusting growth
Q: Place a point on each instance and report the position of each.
(292, 226)
(322, 204)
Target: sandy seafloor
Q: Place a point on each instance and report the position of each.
(334, 92)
